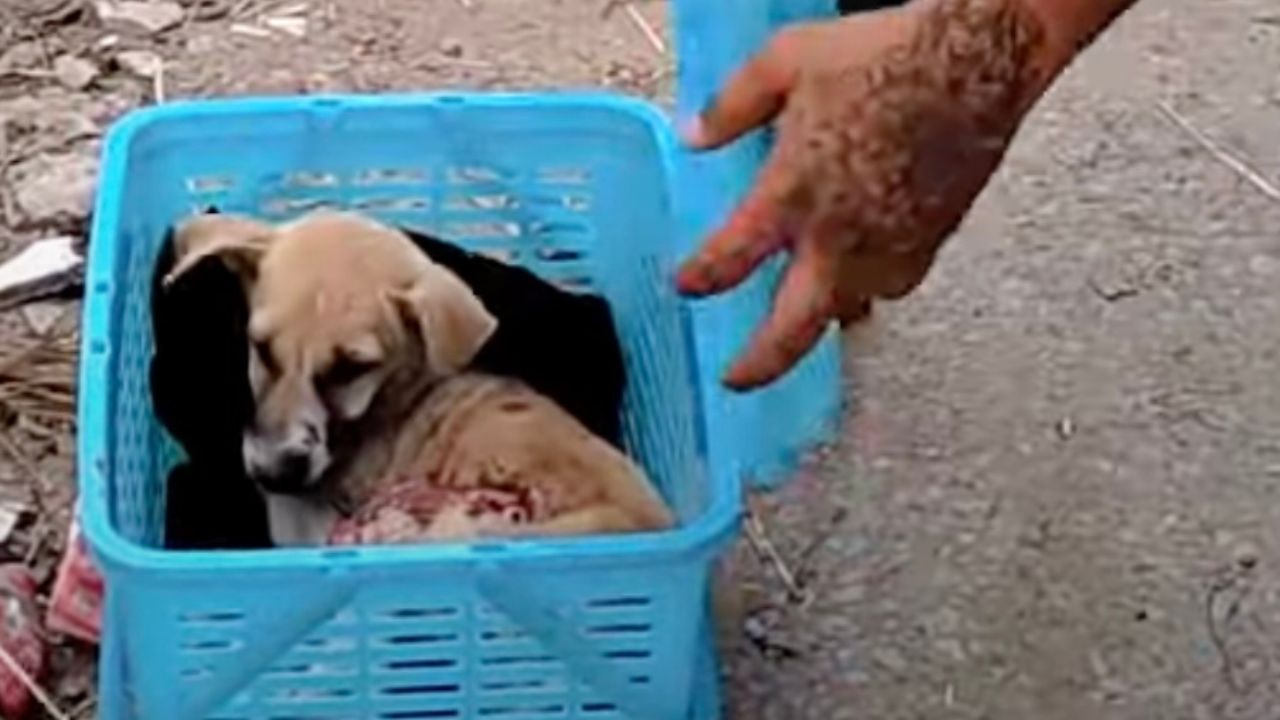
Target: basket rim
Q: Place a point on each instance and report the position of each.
(704, 537)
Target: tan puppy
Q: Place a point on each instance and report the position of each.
(354, 329)
(520, 450)
(350, 322)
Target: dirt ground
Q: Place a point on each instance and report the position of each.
(1058, 490)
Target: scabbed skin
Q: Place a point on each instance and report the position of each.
(413, 510)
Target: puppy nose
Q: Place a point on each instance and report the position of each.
(287, 472)
(294, 467)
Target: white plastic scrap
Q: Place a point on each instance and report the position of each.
(44, 266)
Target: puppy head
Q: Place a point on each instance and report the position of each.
(347, 320)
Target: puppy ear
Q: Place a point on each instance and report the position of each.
(238, 242)
(451, 321)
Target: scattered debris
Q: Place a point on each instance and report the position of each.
(208, 10)
(1066, 428)
(759, 631)
(44, 268)
(21, 647)
(134, 15)
(54, 188)
(646, 28)
(42, 317)
(295, 26)
(804, 568)
(766, 550)
(1246, 555)
(1219, 587)
(252, 31)
(74, 73)
(1112, 289)
(1235, 164)
(143, 63)
(890, 659)
(22, 56)
(10, 513)
(452, 47)
(75, 605)
(48, 13)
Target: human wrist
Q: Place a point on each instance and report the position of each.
(994, 57)
(1071, 26)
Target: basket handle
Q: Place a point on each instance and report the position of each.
(516, 596)
(279, 638)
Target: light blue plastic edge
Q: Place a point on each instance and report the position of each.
(802, 410)
(703, 537)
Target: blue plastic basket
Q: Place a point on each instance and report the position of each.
(583, 628)
(586, 628)
(760, 436)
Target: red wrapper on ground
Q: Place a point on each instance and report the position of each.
(21, 638)
(75, 607)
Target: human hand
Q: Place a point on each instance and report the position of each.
(889, 125)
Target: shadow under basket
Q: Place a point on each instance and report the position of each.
(579, 188)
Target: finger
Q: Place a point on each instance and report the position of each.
(801, 312)
(751, 98)
(755, 231)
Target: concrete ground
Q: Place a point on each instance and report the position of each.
(1058, 490)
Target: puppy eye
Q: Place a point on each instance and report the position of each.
(345, 371)
(265, 356)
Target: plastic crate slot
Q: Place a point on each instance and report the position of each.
(481, 229)
(420, 639)
(391, 176)
(205, 619)
(308, 179)
(309, 695)
(204, 184)
(488, 202)
(196, 674)
(313, 717)
(392, 204)
(429, 613)
(628, 655)
(501, 254)
(577, 203)
(578, 283)
(329, 645)
(503, 636)
(564, 175)
(474, 174)
(420, 715)
(619, 603)
(524, 711)
(599, 708)
(555, 254)
(530, 685)
(620, 629)
(639, 679)
(307, 670)
(558, 228)
(212, 647)
(289, 206)
(405, 690)
(420, 664)
(515, 661)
